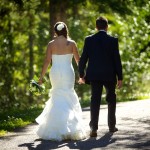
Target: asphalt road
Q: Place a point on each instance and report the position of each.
(133, 122)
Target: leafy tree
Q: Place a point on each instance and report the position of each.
(27, 26)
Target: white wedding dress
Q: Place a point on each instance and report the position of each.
(61, 118)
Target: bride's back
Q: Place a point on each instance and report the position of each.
(61, 46)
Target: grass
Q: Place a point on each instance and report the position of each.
(85, 103)
(2, 132)
(13, 119)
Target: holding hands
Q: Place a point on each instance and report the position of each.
(81, 81)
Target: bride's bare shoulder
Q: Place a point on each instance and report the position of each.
(70, 41)
(51, 42)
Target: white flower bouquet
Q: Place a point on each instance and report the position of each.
(36, 88)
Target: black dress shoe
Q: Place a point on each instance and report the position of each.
(113, 130)
(93, 133)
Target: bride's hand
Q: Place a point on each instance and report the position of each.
(81, 81)
(40, 81)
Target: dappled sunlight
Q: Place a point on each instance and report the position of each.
(26, 28)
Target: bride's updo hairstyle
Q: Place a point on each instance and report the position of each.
(61, 29)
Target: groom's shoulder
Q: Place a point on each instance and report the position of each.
(89, 36)
(112, 37)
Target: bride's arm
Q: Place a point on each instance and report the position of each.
(47, 61)
(75, 53)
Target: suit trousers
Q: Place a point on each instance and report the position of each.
(96, 93)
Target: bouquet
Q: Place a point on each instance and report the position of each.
(36, 88)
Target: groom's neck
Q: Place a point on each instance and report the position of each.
(103, 30)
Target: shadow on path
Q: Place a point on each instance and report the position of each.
(87, 144)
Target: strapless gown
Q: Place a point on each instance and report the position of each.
(61, 118)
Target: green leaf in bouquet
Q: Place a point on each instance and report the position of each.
(36, 88)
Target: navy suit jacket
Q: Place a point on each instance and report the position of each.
(100, 58)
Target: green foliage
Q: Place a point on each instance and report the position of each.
(13, 123)
(2, 132)
(24, 34)
(135, 52)
(13, 119)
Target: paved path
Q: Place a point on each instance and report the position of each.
(133, 121)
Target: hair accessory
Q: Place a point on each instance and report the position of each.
(60, 27)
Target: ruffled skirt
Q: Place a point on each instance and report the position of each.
(61, 118)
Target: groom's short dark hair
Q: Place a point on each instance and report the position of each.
(101, 23)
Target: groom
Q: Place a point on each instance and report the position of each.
(101, 54)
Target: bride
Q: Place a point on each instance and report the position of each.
(61, 118)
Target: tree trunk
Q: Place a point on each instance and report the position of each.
(57, 13)
(9, 81)
(31, 57)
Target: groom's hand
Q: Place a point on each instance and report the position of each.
(119, 84)
(81, 81)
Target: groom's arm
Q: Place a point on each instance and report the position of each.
(83, 60)
(117, 59)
